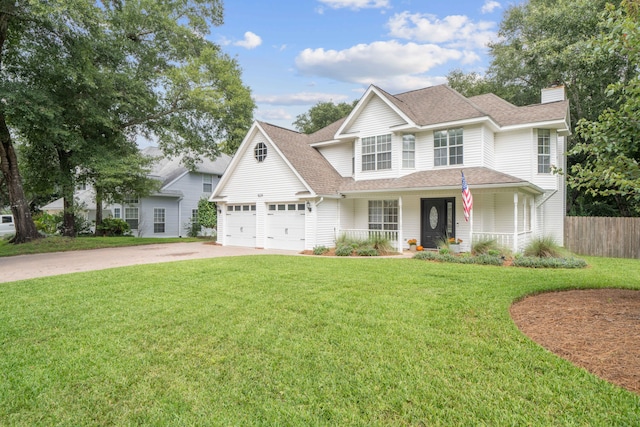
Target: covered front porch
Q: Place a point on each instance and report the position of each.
(506, 215)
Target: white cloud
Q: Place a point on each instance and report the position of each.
(301, 98)
(274, 114)
(490, 5)
(250, 41)
(376, 62)
(354, 4)
(452, 31)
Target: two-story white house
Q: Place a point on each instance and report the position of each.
(394, 165)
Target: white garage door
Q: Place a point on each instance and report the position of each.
(285, 226)
(240, 227)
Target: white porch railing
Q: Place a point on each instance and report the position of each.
(364, 234)
(505, 239)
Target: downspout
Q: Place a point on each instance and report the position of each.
(179, 216)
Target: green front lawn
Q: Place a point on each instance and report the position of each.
(277, 340)
(59, 244)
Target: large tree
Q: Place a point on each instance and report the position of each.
(121, 69)
(321, 115)
(544, 42)
(611, 144)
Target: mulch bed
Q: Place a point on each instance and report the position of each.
(598, 330)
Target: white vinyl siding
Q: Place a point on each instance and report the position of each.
(340, 156)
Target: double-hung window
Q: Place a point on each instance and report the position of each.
(544, 151)
(447, 147)
(383, 214)
(131, 217)
(207, 183)
(376, 153)
(158, 220)
(408, 151)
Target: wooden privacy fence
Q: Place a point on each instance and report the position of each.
(603, 236)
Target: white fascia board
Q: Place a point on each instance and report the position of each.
(325, 143)
(236, 159)
(478, 120)
(531, 187)
(553, 124)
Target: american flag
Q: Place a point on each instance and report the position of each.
(467, 199)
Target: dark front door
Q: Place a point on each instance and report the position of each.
(437, 221)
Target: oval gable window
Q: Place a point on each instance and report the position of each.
(260, 151)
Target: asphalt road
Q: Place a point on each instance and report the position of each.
(51, 264)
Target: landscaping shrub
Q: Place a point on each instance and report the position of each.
(47, 223)
(193, 228)
(366, 251)
(382, 245)
(113, 227)
(428, 255)
(544, 247)
(344, 250)
(537, 262)
(320, 250)
(484, 246)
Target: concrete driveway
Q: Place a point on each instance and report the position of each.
(51, 264)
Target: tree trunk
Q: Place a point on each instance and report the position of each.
(25, 227)
(68, 189)
(98, 211)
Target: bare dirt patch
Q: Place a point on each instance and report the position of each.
(596, 329)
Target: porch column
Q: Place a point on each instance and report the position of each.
(515, 222)
(533, 226)
(400, 239)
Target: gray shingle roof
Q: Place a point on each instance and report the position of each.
(166, 169)
(316, 171)
(425, 107)
(441, 178)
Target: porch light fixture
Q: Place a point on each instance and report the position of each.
(308, 206)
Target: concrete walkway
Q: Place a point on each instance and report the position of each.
(51, 264)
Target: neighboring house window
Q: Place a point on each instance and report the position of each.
(408, 151)
(158, 220)
(131, 217)
(207, 183)
(376, 152)
(447, 146)
(116, 212)
(194, 216)
(544, 151)
(131, 201)
(260, 151)
(383, 214)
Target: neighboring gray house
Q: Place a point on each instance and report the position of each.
(393, 167)
(166, 213)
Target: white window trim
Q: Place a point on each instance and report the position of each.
(540, 138)
(373, 144)
(448, 147)
(164, 220)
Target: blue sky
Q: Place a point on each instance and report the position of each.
(296, 53)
